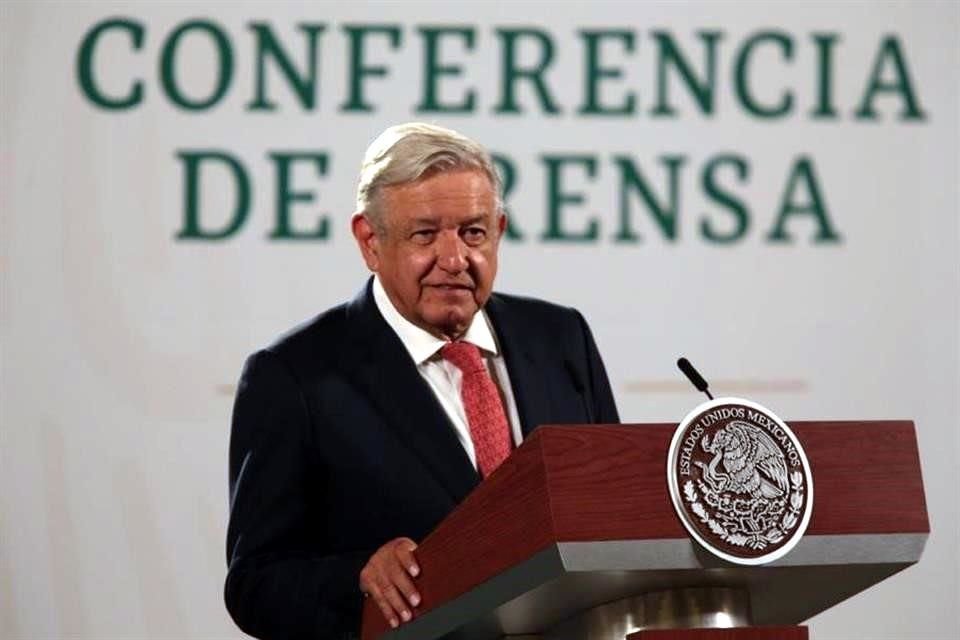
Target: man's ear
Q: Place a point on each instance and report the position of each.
(502, 222)
(367, 240)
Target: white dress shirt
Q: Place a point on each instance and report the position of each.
(444, 377)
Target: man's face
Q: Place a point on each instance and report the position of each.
(437, 256)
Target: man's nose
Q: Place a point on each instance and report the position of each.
(451, 252)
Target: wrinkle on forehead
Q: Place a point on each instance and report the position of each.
(442, 220)
(468, 199)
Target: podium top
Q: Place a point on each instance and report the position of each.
(592, 502)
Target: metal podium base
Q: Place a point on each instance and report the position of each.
(709, 607)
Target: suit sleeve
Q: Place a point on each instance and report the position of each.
(604, 408)
(280, 582)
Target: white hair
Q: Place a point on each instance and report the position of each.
(406, 152)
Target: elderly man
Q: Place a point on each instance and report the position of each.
(356, 433)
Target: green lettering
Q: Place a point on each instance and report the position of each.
(359, 69)
(511, 72)
(168, 76)
(508, 178)
(286, 196)
(803, 178)
(191, 205)
(597, 72)
(434, 70)
(670, 56)
(824, 43)
(664, 214)
(742, 72)
(304, 85)
(85, 75)
(900, 84)
(728, 201)
(557, 199)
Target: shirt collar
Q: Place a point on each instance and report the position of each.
(421, 344)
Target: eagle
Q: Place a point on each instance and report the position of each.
(752, 462)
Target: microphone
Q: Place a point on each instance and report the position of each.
(693, 376)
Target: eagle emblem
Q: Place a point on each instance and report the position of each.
(740, 481)
(752, 462)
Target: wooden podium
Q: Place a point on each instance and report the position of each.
(575, 536)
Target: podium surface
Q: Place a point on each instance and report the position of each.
(580, 516)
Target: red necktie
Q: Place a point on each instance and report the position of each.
(489, 429)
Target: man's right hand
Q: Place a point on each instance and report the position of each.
(387, 579)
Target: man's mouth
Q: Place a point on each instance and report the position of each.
(451, 287)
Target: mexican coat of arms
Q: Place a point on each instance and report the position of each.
(740, 481)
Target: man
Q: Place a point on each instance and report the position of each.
(356, 433)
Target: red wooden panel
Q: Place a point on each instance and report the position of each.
(502, 523)
(583, 483)
(611, 483)
(866, 477)
(737, 633)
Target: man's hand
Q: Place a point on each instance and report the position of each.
(387, 579)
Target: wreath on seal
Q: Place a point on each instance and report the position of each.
(747, 522)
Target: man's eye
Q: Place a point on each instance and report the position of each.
(423, 236)
(474, 234)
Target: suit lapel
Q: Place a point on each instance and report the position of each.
(389, 377)
(524, 365)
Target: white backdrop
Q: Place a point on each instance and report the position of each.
(121, 344)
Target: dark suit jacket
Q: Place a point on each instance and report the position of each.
(339, 445)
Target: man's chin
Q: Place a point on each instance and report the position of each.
(451, 322)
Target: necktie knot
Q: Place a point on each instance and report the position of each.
(464, 356)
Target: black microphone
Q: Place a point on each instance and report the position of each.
(693, 376)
